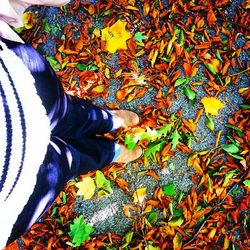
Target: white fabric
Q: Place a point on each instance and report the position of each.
(37, 139)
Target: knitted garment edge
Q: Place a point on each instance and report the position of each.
(29, 130)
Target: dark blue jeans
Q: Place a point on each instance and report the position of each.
(74, 148)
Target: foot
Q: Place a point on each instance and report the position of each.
(128, 118)
(127, 155)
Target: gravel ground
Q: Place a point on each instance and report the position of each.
(106, 214)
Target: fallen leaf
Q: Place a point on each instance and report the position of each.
(139, 195)
(115, 36)
(212, 105)
(86, 188)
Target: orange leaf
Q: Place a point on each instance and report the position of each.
(211, 18)
(152, 173)
(187, 69)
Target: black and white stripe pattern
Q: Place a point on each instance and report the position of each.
(9, 129)
(24, 137)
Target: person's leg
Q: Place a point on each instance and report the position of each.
(62, 163)
(70, 116)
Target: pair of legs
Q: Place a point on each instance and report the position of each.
(74, 148)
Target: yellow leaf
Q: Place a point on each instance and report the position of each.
(226, 242)
(177, 241)
(139, 195)
(176, 222)
(212, 233)
(212, 105)
(97, 32)
(116, 36)
(154, 58)
(86, 188)
(29, 19)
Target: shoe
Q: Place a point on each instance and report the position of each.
(127, 155)
(129, 118)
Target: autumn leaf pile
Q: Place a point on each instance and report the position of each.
(184, 45)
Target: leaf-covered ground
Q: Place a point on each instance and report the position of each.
(184, 67)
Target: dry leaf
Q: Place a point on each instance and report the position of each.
(139, 195)
(86, 188)
(212, 105)
(116, 36)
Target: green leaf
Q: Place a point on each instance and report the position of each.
(236, 156)
(54, 211)
(19, 30)
(153, 149)
(247, 183)
(237, 130)
(189, 93)
(139, 37)
(210, 122)
(230, 148)
(47, 27)
(92, 67)
(103, 183)
(153, 217)
(176, 222)
(245, 106)
(175, 138)
(53, 63)
(79, 231)
(150, 246)
(180, 197)
(211, 68)
(178, 212)
(217, 53)
(64, 198)
(128, 238)
(130, 141)
(180, 81)
(99, 179)
(182, 38)
(107, 186)
(81, 66)
(149, 135)
(169, 190)
(228, 176)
